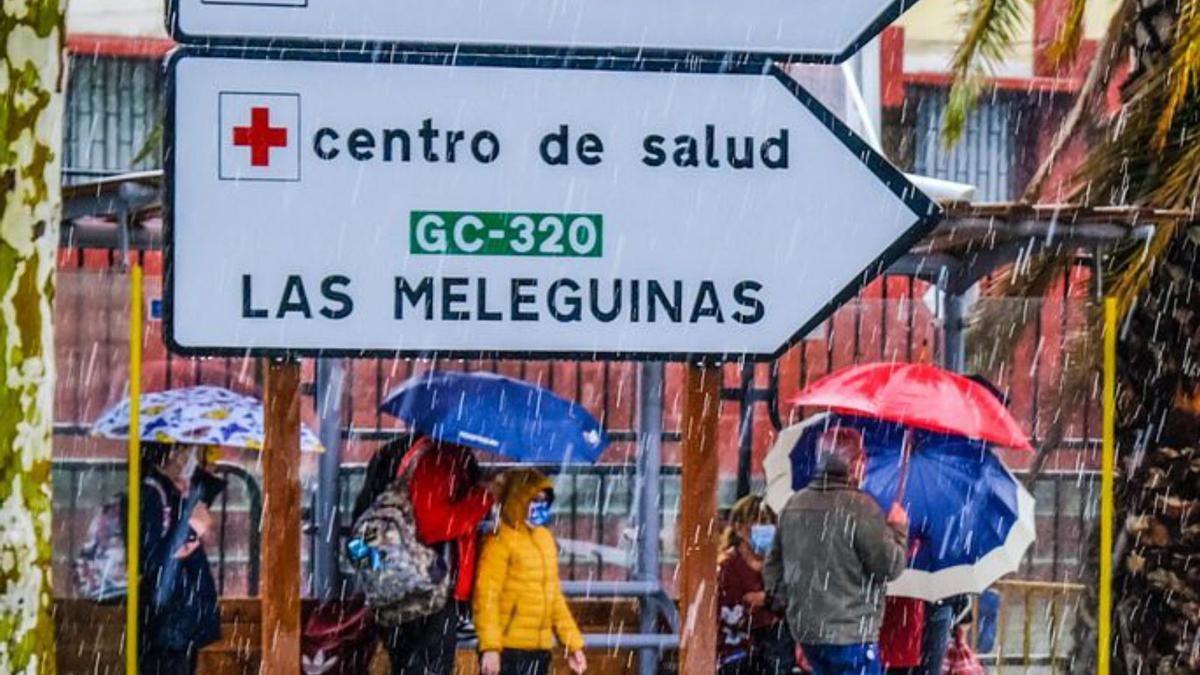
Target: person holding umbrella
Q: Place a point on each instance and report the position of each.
(178, 608)
(179, 613)
(833, 555)
(452, 414)
(929, 435)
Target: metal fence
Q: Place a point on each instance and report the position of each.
(594, 507)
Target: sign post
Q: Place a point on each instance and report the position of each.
(560, 179)
(279, 591)
(698, 531)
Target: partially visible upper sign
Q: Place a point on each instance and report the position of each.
(802, 30)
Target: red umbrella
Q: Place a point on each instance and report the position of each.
(920, 396)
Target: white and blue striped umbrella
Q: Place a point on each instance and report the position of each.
(971, 520)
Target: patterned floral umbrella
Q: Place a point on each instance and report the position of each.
(197, 416)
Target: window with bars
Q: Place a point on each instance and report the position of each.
(113, 113)
(985, 156)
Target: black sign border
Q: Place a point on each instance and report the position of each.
(926, 212)
(720, 59)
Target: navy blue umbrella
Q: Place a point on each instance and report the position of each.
(971, 520)
(498, 414)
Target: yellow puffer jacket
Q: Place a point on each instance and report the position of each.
(518, 600)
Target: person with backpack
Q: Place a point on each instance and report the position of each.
(179, 611)
(519, 604)
(440, 488)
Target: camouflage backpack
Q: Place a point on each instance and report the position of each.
(402, 578)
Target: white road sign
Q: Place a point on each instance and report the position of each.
(826, 30)
(490, 208)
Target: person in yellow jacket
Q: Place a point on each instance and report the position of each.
(519, 607)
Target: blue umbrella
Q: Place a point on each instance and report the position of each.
(972, 521)
(498, 414)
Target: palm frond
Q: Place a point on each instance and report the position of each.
(1065, 47)
(1002, 321)
(151, 147)
(1180, 184)
(1075, 388)
(1147, 153)
(1183, 70)
(1105, 67)
(1128, 269)
(992, 27)
(995, 327)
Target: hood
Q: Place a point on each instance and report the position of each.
(520, 487)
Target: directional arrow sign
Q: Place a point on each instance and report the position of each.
(812, 30)
(490, 208)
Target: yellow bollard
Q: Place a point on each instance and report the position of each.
(133, 510)
(1108, 466)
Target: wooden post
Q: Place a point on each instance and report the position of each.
(698, 533)
(280, 588)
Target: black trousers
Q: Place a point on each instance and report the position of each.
(167, 663)
(425, 646)
(521, 662)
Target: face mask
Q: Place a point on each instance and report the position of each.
(761, 538)
(539, 514)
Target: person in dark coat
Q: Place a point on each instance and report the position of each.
(450, 499)
(833, 555)
(172, 633)
(753, 638)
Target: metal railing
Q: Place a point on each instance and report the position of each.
(594, 508)
(1027, 608)
(1034, 626)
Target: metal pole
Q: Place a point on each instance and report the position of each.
(649, 471)
(954, 357)
(746, 430)
(330, 380)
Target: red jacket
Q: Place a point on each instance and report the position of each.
(449, 504)
(901, 633)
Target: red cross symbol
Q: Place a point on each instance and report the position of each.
(260, 136)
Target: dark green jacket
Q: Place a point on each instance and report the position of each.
(832, 558)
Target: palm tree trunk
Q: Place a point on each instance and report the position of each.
(1157, 570)
(32, 34)
(1158, 580)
